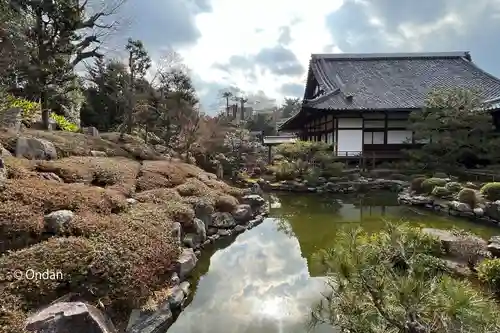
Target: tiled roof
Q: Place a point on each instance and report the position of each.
(393, 81)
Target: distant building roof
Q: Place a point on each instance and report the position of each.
(384, 81)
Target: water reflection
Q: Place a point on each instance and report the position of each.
(260, 283)
(265, 281)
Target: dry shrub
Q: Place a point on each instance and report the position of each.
(157, 174)
(20, 226)
(133, 145)
(119, 261)
(208, 199)
(193, 187)
(47, 196)
(19, 168)
(226, 203)
(113, 173)
(12, 318)
(159, 195)
(224, 188)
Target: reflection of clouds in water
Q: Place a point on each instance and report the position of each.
(258, 284)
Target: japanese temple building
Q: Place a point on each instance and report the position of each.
(360, 103)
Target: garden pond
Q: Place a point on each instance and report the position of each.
(265, 279)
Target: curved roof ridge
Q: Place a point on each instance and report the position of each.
(409, 55)
(491, 76)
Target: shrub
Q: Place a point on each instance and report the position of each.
(286, 171)
(63, 123)
(192, 187)
(226, 203)
(440, 192)
(374, 280)
(31, 111)
(491, 191)
(453, 187)
(313, 176)
(48, 196)
(489, 273)
(159, 195)
(429, 184)
(332, 170)
(416, 184)
(469, 196)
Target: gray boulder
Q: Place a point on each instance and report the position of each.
(34, 148)
(222, 220)
(151, 322)
(253, 200)
(201, 229)
(57, 221)
(243, 213)
(203, 210)
(98, 153)
(186, 263)
(494, 246)
(177, 232)
(74, 317)
(492, 210)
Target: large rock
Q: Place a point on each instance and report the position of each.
(57, 221)
(92, 131)
(253, 200)
(70, 317)
(155, 322)
(222, 220)
(464, 247)
(494, 246)
(460, 207)
(243, 213)
(177, 232)
(34, 148)
(4, 152)
(203, 210)
(186, 263)
(201, 229)
(492, 210)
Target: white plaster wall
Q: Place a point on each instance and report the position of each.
(351, 141)
(398, 136)
(350, 122)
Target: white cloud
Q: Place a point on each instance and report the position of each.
(245, 27)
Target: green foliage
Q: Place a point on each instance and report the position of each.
(285, 171)
(491, 191)
(440, 192)
(312, 176)
(393, 282)
(453, 187)
(305, 150)
(459, 129)
(416, 184)
(489, 272)
(469, 196)
(30, 110)
(332, 169)
(429, 184)
(63, 123)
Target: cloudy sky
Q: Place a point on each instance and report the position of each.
(263, 46)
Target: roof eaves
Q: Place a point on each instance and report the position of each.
(340, 56)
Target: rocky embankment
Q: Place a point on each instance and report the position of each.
(342, 185)
(114, 225)
(485, 211)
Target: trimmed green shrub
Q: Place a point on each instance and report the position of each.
(469, 196)
(453, 187)
(332, 170)
(313, 176)
(489, 272)
(429, 184)
(416, 184)
(491, 191)
(440, 192)
(286, 171)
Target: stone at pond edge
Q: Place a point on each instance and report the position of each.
(74, 317)
(223, 232)
(494, 246)
(201, 229)
(243, 213)
(156, 322)
(240, 228)
(177, 232)
(191, 240)
(185, 287)
(186, 262)
(222, 220)
(176, 297)
(204, 210)
(253, 200)
(56, 221)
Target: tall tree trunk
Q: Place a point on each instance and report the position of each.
(42, 79)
